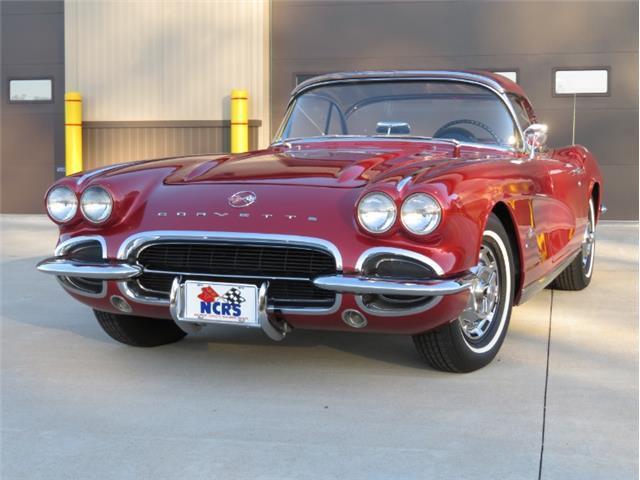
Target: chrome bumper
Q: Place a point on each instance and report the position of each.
(336, 283)
(379, 286)
(65, 267)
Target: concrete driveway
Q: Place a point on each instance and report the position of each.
(559, 402)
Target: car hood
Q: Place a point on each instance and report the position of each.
(320, 167)
(330, 165)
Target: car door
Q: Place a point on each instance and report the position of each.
(557, 214)
(561, 212)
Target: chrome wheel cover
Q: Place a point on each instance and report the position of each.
(588, 243)
(484, 300)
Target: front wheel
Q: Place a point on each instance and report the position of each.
(139, 331)
(471, 341)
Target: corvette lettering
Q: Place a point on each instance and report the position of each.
(266, 216)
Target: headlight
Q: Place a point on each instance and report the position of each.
(96, 204)
(376, 212)
(420, 213)
(62, 204)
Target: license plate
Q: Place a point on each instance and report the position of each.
(210, 302)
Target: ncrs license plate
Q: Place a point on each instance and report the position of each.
(209, 302)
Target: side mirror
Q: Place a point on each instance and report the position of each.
(535, 137)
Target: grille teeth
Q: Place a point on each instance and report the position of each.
(238, 260)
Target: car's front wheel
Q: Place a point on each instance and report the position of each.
(471, 341)
(139, 331)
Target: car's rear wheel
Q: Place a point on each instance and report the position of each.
(471, 341)
(577, 275)
(139, 331)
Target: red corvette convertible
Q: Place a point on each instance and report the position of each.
(423, 203)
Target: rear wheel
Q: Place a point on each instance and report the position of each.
(139, 331)
(577, 275)
(473, 340)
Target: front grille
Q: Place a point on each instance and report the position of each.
(288, 269)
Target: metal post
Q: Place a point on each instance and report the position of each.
(239, 121)
(573, 126)
(73, 132)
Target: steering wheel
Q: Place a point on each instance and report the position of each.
(448, 128)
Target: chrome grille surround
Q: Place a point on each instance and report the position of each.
(132, 246)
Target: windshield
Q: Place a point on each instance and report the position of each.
(435, 109)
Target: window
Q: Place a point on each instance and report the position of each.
(581, 81)
(510, 74)
(450, 110)
(31, 90)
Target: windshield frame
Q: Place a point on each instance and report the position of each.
(278, 140)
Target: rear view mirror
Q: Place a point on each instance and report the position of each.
(393, 128)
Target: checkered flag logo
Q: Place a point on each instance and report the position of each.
(234, 297)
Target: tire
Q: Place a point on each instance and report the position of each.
(577, 276)
(453, 347)
(139, 331)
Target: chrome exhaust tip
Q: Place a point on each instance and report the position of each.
(354, 318)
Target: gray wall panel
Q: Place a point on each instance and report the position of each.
(32, 139)
(531, 36)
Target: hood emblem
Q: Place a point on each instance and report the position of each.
(242, 199)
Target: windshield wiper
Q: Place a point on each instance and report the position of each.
(421, 137)
(315, 137)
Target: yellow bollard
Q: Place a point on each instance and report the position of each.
(73, 132)
(239, 121)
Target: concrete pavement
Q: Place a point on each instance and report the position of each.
(231, 404)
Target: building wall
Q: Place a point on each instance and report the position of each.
(167, 63)
(32, 133)
(530, 36)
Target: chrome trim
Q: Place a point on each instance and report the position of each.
(528, 291)
(67, 284)
(399, 252)
(379, 286)
(134, 242)
(394, 312)
(350, 138)
(263, 316)
(386, 75)
(215, 275)
(381, 76)
(63, 247)
(125, 289)
(311, 310)
(403, 183)
(100, 271)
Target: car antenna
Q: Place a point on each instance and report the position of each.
(573, 126)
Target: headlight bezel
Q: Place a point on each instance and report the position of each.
(75, 204)
(389, 224)
(102, 219)
(432, 225)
